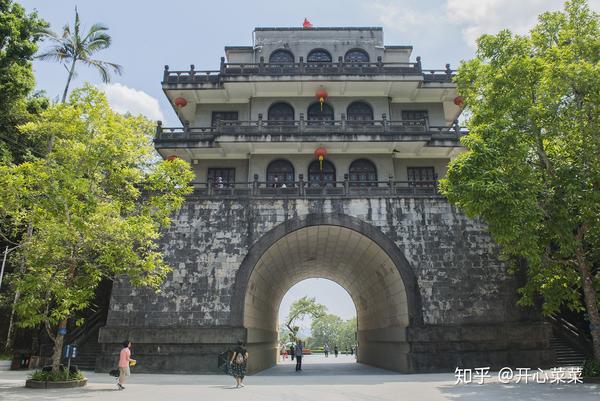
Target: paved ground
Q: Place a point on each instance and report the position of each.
(322, 379)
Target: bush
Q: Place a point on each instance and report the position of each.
(42, 376)
(591, 368)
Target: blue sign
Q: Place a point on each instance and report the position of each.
(62, 331)
(70, 351)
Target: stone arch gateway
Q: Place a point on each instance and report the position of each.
(354, 254)
(426, 280)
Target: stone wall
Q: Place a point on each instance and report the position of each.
(461, 283)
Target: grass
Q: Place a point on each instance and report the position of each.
(56, 376)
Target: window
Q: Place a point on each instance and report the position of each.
(223, 115)
(422, 175)
(280, 112)
(281, 56)
(316, 177)
(280, 172)
(221, 177)
(414, 115)
(318, 56)
(318, 116)
(356, 56)
(362, 172)
(359, 111)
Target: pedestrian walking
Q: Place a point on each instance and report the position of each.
(351, 350)
(298, 352)
(336, 351)
(238, 364)
(124, 361)
(326, 350)
(292, 351)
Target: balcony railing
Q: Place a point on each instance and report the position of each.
(306, 189)
(307, 128)
(233, 70)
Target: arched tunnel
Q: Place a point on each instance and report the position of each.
(353, 260)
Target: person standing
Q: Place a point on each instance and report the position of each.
(238, 364)
(326, 350)
(336, 351)
(292, 351)
(124, 360)
(298, 352)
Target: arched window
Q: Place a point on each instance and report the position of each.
(318, 56)
(359, 113)
(318, 116)
(279, 113)
(356, 56)
(316, 177)
(280, 172)
(281, 56)
(362, 172)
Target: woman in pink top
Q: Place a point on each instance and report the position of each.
(124, 359)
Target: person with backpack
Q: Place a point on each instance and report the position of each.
(238, 364)
(124, 361)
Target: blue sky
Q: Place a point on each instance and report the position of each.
(147, 34)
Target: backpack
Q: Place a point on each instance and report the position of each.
(239, 358)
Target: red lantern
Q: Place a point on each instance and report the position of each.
(321, 95)
(458, 100)
(171, 158)
(180, 102)
(320, 154)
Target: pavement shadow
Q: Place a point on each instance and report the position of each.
(520, 392)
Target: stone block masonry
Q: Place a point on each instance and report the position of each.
(467, 300)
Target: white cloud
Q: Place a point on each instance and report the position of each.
(477, 17)
(124, 99)
(401, 17)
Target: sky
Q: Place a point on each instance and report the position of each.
(148, 34)
(326, 292)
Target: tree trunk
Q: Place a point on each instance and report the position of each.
(58, 346)
(11, 322)
(71, 71)
(591, 300)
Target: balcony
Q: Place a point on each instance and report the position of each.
(304, 189)
(311, 131)
(235, 72)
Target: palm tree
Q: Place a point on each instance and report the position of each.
(72, 46)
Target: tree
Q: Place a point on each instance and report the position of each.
(92, 209)
(73, 46)
(301, 308)
(532, 166)
(333, 330)
(19, 35)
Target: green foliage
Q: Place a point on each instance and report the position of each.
(333, 330)
(72, 46)
(57, 376)
(301, 308)
(532, 166)
(93, 208)
(19, 34)
(591, 368)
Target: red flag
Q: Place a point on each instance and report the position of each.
(306, 24)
